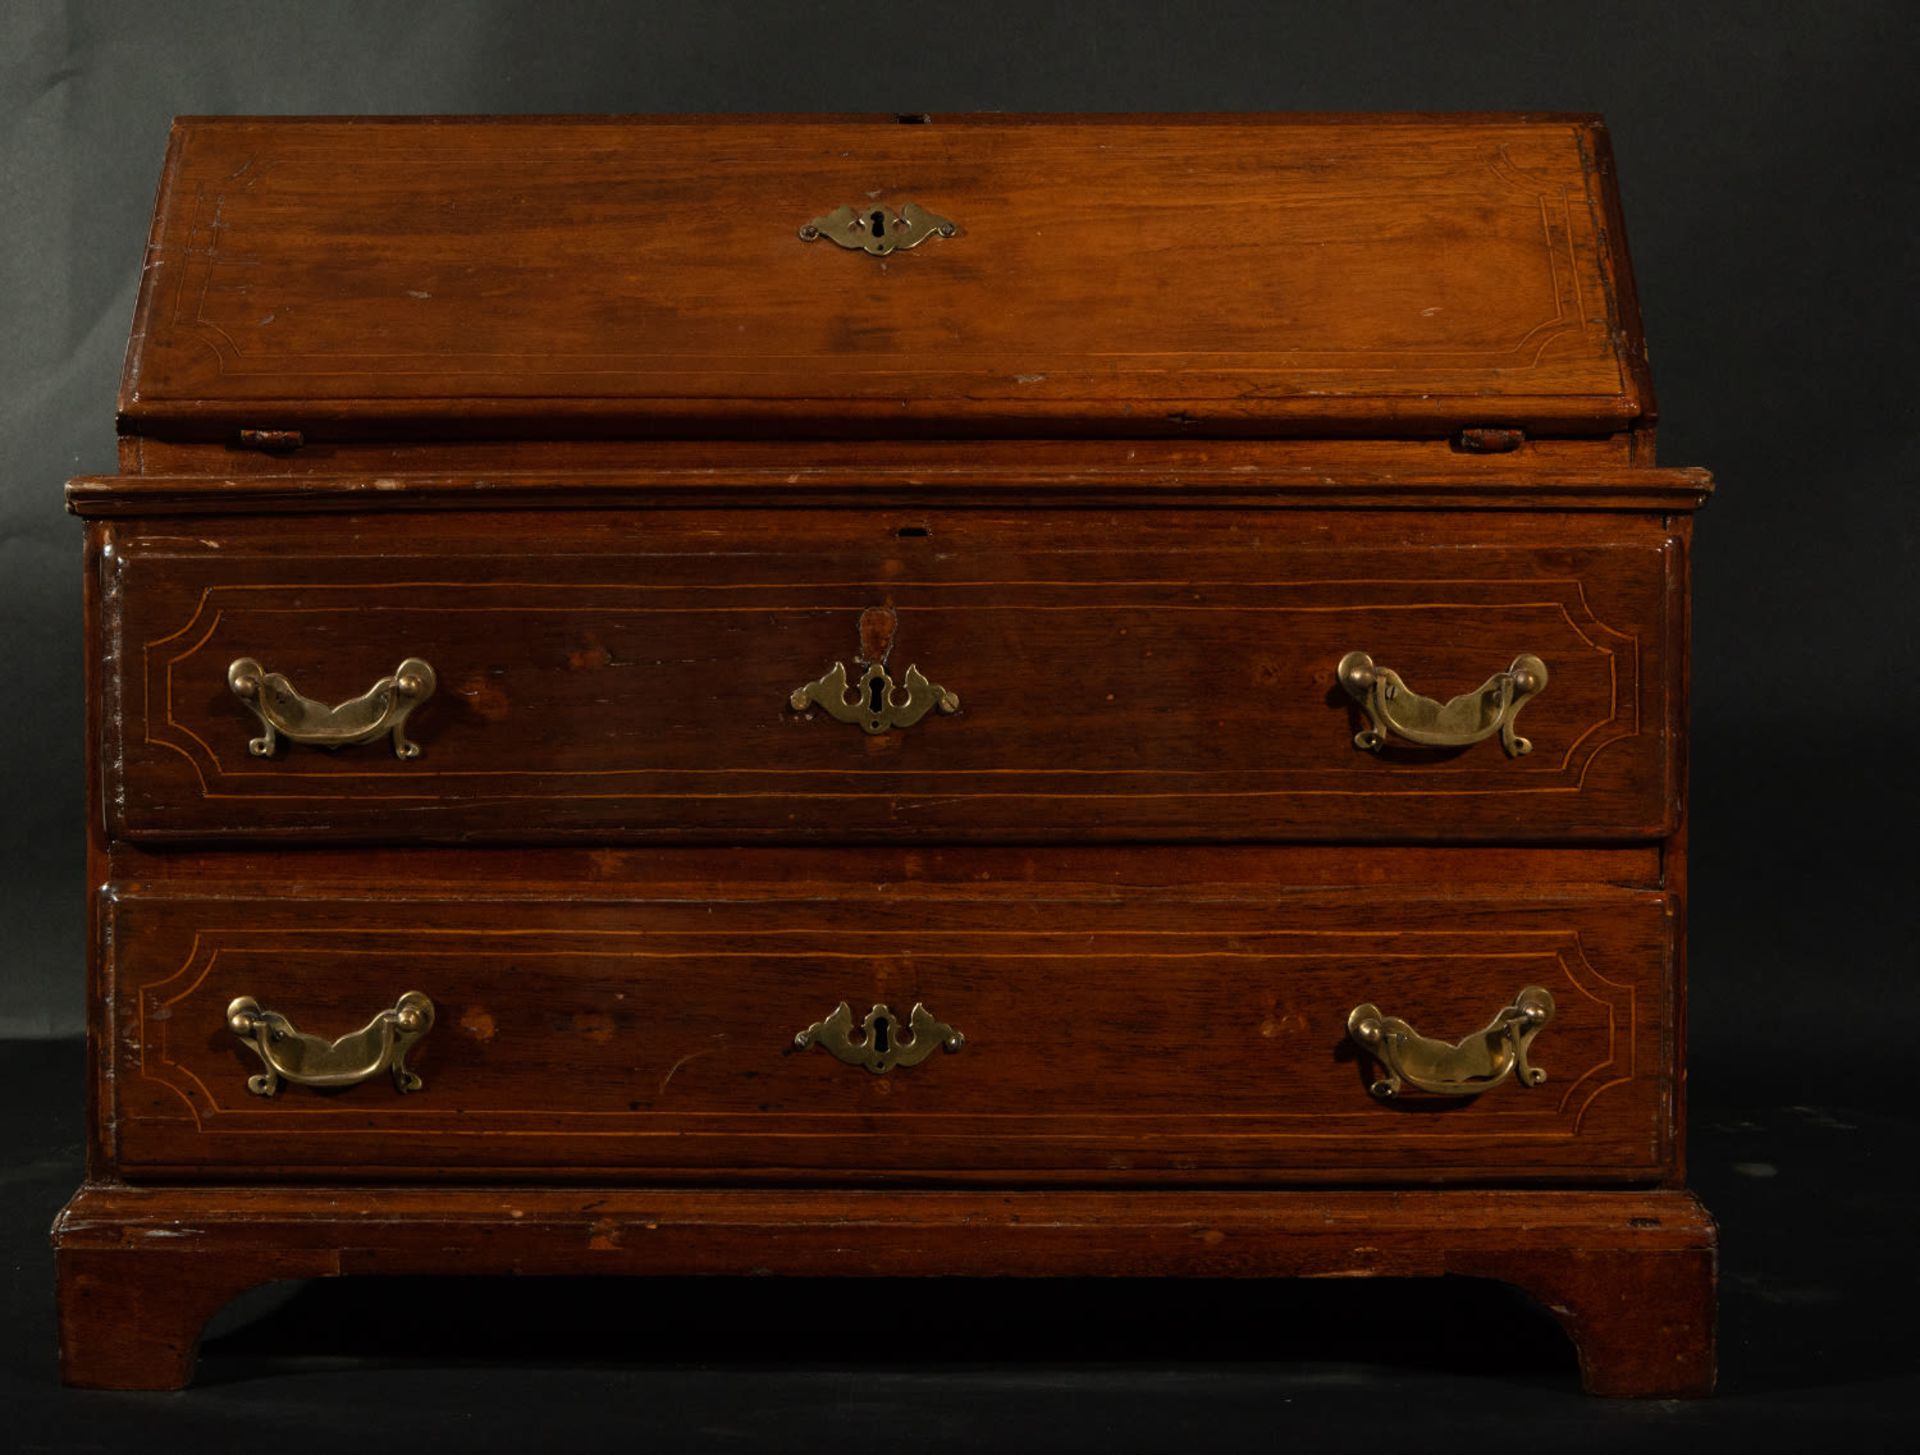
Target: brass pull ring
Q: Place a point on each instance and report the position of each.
(1488, 709)
(290, 1055)
(283, 712)
(1479, 1063)
(879, 1047)
(874, 703)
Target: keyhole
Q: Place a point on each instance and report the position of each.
(881, 1041)
(877, 695)
(878, 223)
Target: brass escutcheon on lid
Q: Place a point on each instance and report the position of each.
(878, 230)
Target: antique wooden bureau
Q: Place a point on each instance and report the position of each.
(888, 696)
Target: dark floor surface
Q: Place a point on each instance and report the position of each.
(1819, 1340)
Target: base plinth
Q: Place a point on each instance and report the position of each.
(1629, 1275)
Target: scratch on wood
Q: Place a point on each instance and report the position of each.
(691, 1055)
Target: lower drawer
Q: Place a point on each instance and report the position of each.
(1175, 1035)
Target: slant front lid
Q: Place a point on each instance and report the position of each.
(1216, 275)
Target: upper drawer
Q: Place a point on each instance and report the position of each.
(628, 676)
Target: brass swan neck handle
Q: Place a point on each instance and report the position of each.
(1391, 707)
(283, 712)
(1467, 1067)
(290, 1055)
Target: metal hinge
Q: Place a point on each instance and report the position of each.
(271, 439)
(1489, 440)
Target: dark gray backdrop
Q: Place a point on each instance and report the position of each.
(1766, 155)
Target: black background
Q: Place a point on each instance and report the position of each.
(1767, 160)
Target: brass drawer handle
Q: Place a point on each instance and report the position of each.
(1468, 718)
(283, 712)
(880, 1048)
(1479, 1063)
(307, 1060)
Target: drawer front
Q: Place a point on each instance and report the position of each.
(1100, 1036)
(1151, 675)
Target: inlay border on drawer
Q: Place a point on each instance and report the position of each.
(1629, 646)
(1561, 949)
